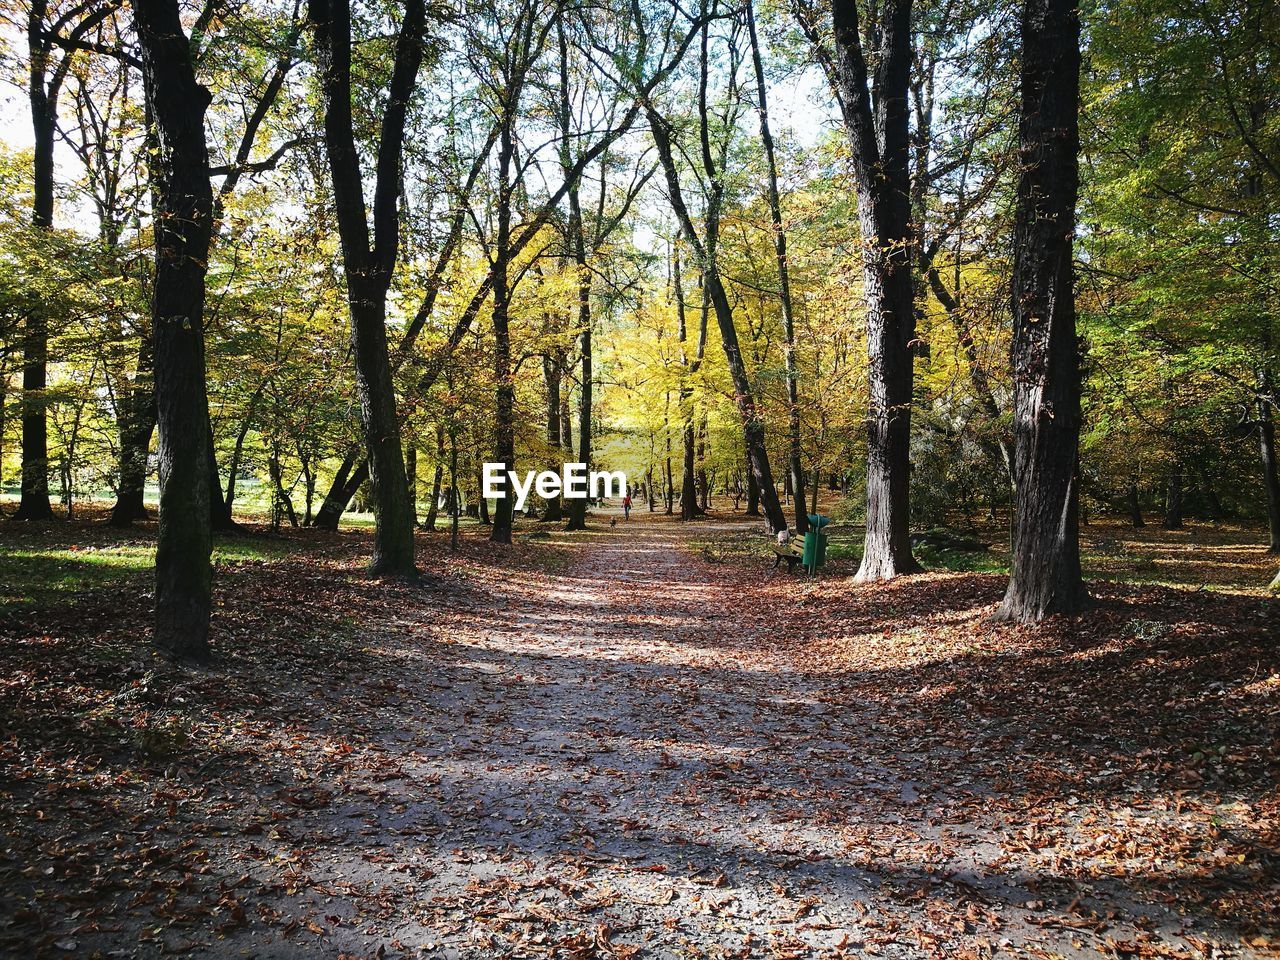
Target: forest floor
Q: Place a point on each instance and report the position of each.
(637, 741)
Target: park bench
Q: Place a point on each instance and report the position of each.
(792, 552)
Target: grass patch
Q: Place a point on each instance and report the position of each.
(35, 575)
(962, 561)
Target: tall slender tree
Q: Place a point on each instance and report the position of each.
(690, 364)
(704, 245)
(183, 227)
(370, 261)
(795, 467)
(1046, 576)
(47, 70)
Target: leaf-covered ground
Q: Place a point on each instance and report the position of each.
(626, 743)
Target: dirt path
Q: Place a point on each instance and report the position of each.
(637, 755)
(627, 756)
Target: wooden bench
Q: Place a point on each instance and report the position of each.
(793, 553)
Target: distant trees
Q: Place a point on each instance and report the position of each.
(1187, 176)
(600, 234)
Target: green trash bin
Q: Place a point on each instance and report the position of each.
(815, 543)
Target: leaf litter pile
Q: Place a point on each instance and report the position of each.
(610, 747)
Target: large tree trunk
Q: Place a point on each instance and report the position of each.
(577, 507)
(369, 258)
(669, 490)
(1270, 474)
(880, 147)
(183, 224)
(389, 488)
(690, 509)
(1046, 577)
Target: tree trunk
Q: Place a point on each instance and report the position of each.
(282, 498)
(1135, 508)
(454, 510)
(136, 425)
(1270, 474)
(482, 504)
(505, 400)
(752, 424)
(369, 258)
(690, 509)
(577, 507)
(389, 487)
(566, 426)
(237, 451)
(670, 491)
(704, 487)
(552, 371)
(35, 503)
(183, 225)
(433, 508)
(309, 479)
(753, 493)
(795, 472)
(1173, 499)
(880, 146)
(220, 518)
(1046, 577)
(411, 479)
(351, 475)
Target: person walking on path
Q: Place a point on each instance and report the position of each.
(626, 506)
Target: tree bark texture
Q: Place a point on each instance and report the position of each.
(875, 120)
(1046, 577)
(369, 261)
(183, 228)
